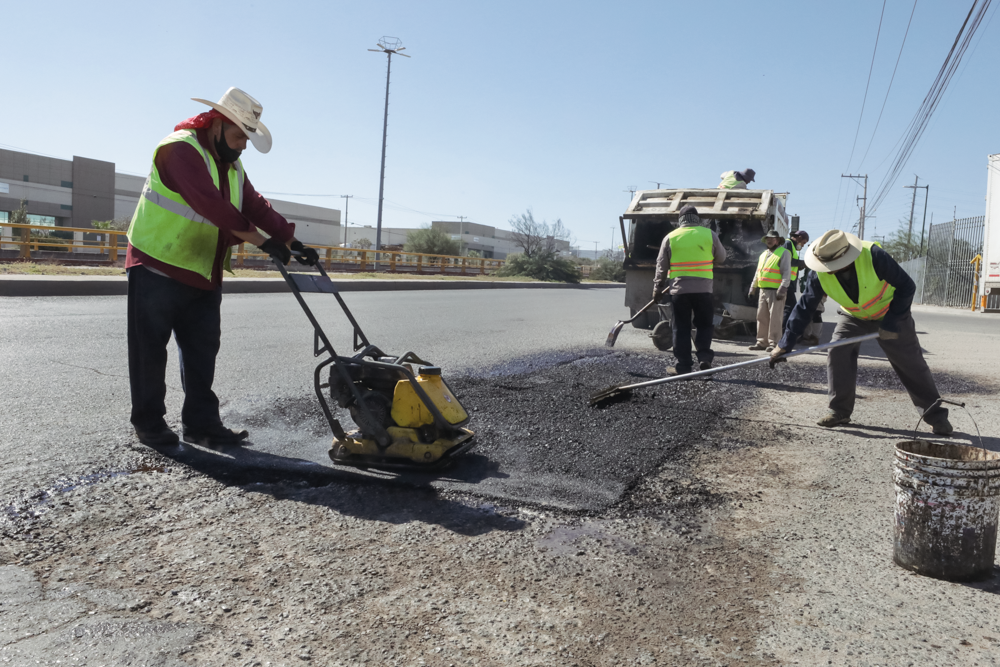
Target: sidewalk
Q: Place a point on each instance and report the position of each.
(27, 285)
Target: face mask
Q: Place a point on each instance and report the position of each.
(226, 154)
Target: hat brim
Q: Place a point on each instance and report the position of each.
(261, 139)
(854, 247)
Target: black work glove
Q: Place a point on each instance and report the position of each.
(777, 357)
(277, 250)
(307, 255)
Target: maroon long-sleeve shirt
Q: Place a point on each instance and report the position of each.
(182, 169)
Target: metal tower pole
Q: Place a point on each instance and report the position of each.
(381, 177)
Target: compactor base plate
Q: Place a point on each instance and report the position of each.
(406, 450)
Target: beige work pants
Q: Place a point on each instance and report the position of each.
(769, 311)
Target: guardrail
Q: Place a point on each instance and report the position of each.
(113, 244)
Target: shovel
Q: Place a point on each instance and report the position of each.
(624, 392)
(617, 329)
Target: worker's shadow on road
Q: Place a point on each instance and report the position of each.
(396, 498)
(788, 388)
(898, 434)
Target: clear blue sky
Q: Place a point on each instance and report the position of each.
(556, 106)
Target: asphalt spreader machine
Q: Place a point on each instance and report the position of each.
(407, 416)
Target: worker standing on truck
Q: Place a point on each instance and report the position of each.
(736, 180)
(774, 273)
(875, 293)
(684, 271)
(794, 244)
(196, 205)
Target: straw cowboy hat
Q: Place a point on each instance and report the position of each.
(833, 251)
(245, 112)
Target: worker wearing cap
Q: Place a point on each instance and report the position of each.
(774, 274)
(875, 294)
(736, 180)
(793, 245)
(197, 203)
(684, 271)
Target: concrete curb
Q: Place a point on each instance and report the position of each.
(118, 285)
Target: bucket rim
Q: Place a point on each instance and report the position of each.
(977, 457)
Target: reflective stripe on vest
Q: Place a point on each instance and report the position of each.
(166, 228)
(768, 269)
(795, 256)
(691, 252)
(874, 294)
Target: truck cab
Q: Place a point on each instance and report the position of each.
(739, 217)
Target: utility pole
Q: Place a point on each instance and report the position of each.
(631, 191)
(461, 222)
(658, 183)
(388, 46)
(913, 201)
(612, 242)
(347, 201)
(595, 251)
(864, 200)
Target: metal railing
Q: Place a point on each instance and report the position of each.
(108, 247)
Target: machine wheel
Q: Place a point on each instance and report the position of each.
(663, 336)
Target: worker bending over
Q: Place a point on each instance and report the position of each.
(736, 180)
(774, 274)
(684, 272)
(875, 294)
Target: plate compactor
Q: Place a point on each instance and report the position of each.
(405, 419)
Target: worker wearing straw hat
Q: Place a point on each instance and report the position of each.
(874, 293)
(196, 205)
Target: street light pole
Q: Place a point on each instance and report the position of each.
(347, 201)
(388, 46)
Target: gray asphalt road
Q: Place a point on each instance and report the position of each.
(65, 379)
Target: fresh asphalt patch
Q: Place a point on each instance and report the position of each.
(538, 441)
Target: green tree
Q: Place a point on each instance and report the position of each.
(431, 241)
(117, 224)
(535, 237)
(902, 244)
(364, 243)
(608, 269)
(543, 265)
(20, 216)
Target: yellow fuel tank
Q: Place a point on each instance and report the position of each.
(409, 411)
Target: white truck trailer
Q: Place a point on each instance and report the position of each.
(989, 274)
(739, 217)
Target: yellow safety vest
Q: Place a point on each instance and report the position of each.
(768, 271)
(874, 294)
(730, 182)
(691, 252)
(166, 228)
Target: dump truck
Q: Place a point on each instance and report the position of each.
(739, 217)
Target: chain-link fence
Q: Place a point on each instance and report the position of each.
(949, 274)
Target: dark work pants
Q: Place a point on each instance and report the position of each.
(157, 307)
(904, 356)
(790, 301)
(684, 306)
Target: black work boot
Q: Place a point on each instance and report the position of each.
(214, 436)
(157, 437)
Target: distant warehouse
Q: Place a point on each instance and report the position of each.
(77, 192)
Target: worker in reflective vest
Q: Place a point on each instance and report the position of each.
(794, 244)
(197, 203)
(736, 180)
(770, 284)
(684, 275)
(874, 293)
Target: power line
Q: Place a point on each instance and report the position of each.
(863, 101)
(920, 120)
(912, 12)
